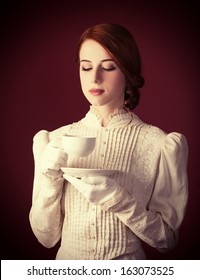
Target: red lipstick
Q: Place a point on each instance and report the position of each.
(96, 91)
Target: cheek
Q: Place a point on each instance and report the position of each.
(83, 82)
(119, 82)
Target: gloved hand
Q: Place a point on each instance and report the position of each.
(53, 158)
(96, 190)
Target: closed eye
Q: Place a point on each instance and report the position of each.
(103, 68)
(86, 68)
(108, 69)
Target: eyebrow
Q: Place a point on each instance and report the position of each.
(86, 60)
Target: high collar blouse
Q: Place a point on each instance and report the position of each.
(151, 167)
(119, 118)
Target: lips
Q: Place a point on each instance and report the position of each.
(96, 91)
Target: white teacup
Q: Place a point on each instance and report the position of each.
(77, 145)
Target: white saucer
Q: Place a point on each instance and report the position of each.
(86, 172)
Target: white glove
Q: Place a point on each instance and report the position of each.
(53, 158)
(96, 190)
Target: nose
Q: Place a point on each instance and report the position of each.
(96, 76)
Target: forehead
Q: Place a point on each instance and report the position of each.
(92, 50)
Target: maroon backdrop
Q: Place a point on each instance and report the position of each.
(40, 90)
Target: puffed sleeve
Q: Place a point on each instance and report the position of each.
(158, 222)
(170, 194)
(45, 214)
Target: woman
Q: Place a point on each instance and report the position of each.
(144, 199)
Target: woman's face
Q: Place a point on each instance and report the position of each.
(102, 81)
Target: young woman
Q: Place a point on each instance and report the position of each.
(144, 199)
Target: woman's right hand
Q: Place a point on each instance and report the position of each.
(53, 158)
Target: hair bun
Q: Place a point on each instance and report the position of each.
(139, 82)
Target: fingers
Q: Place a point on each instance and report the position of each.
(56, 143)
(53, 158)
(85, 180)
(96, 180)
(95, 190)
(54, 150)
(75, 181)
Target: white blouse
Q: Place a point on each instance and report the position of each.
(151, 168)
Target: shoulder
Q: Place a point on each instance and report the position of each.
(156, 138)
(154, 148)
(49, 135)
(147, 131)
(151, 134)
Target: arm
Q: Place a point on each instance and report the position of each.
(45, 215)
(158, 224)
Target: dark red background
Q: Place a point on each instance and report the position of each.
(40, 90)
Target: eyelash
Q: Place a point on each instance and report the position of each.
(105, 69)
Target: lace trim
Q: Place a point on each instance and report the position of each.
(146, 158)
(117, 113)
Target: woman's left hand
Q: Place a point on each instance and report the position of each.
(96, 190)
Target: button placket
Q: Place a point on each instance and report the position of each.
(93, 229)
(103, 143)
